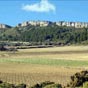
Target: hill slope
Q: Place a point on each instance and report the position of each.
(51, 34)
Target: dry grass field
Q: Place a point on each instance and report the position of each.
(35, 65)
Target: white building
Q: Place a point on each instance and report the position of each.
(34, 23)
(60, 23)
(73, 24)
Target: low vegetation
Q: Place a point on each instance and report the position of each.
(8, 85)
(47, 84)
(4, 48)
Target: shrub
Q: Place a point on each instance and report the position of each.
(53, 86)
(1, 81)
(85, 85)
(47, 84)
(78, 79)
(6, 85)
(21, 86)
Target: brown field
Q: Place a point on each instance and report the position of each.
(32, 74)
(14, 67)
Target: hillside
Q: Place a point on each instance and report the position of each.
(51, 34)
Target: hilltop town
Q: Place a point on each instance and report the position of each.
(47, 23)
(60, 23)
(47, 32)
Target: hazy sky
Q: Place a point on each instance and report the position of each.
(13, 12)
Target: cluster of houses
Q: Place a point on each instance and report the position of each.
(47, 23)
(60, 23)
(34, 23)
(73, 24)
(4, 26)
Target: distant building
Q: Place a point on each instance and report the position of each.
(24, 24)
(73, 24)
(77, 24)
(4, 26)
(19, 25)
(60, 23)
(34, 23)
(43, 23)
(85, 24)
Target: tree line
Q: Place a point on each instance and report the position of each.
(51, 34)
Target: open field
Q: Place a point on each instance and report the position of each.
(32, 74)
(43, 64)
(66, 52)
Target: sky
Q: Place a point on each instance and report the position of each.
(13, 12)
